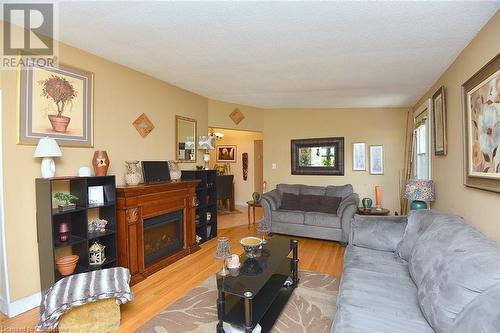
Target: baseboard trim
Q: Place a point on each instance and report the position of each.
(3, 306)
(21, 305)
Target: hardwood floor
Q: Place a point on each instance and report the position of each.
(166, 286)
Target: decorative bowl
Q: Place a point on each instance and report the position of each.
(66, 265)
(252, 246)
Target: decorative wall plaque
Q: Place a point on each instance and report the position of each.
(236, 116)
(143, 125)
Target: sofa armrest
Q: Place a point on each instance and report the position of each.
(378, 232)
(270, 201)
(347, 208)
(351, 199)
(272, 198)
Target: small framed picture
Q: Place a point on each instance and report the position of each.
(377, 160)
(96, 195)
(359, 156)
(226, 153)
(439, 117)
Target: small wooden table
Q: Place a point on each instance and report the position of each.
(373, 211)
(253, 204)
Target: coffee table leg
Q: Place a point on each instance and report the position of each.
(294, 246)
(253, 214)
(220, 310)
(248, 315)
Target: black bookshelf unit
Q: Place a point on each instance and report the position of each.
(49, 218)
(206, 202)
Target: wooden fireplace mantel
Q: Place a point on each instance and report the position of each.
(136, 203)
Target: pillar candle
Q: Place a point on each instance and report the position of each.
(378, 196)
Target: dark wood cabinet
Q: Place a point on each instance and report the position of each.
(138, 204)
(49, 218)
(206, 202)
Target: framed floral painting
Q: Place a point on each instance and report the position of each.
(481, 95)
(55, 102)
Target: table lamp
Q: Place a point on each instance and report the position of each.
(419, 191)
(47, 148)
(206, 142)
(222, 253)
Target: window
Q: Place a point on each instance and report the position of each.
(421, 143)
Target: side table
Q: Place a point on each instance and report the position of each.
(373, 211)
(253, 204)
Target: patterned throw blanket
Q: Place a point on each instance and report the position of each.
(80, 289)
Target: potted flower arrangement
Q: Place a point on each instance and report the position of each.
(69, 200)
(61, 92)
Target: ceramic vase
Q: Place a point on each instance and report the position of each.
(132, 177)
(100, 162)
(367, 203)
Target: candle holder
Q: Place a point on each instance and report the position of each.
(378, 198)
(222, 253)
(263, 228)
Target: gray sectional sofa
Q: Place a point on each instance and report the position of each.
(430, 273)
(314, 224)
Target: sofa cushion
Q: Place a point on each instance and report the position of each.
(288, 216)
(312, 190)
(429, 250)
(322, 219)
(452, 263)
(330, 205)
(310, 203)
(378, 233)
(289, 188)
(290, 201)
(377, 295)
(480, 315)
(339, 191)
(418, 222)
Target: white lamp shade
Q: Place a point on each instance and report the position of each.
(47, 147)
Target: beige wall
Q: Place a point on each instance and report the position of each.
(244, 141)
(218, 116)
(373, 126)
(478, 207)
(120, 95)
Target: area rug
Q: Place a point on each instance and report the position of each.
(311, 308)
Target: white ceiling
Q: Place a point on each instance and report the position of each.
(282, 54)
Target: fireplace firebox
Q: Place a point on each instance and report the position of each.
(163, 236)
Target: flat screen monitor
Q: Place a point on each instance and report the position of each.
(155, 171)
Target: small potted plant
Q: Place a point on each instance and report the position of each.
(69, 200)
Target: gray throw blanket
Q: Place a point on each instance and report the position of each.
(80, 289)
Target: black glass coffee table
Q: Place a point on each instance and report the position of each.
(257, 294)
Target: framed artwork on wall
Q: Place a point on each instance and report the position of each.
(226, 153)
(322, 156)
(377, 160)
(439, 118)
(359, 156)
(481, 109)
(55, 102)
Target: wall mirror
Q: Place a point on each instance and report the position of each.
(324, 156)
(185, 139)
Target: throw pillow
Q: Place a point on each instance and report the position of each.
(330, 205)
(290, 201)
(310, 203)
(418, 222)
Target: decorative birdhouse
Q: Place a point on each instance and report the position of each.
(96, 254)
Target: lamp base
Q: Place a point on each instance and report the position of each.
(417, 204)
(48, 167)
